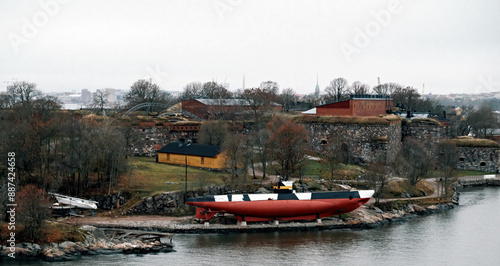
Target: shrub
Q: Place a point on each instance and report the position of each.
(33, 210)
(59, 232)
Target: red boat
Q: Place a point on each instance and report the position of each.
(284, 204)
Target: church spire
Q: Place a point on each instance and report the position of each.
(316, 91)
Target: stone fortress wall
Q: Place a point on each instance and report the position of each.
(367, 142)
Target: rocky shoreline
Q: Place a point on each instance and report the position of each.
(96, 242)
(362, 218)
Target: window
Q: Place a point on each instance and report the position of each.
(202, 160)
(483, 164)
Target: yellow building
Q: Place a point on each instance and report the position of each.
(197, 155)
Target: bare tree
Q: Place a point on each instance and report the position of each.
(287, 99)
(359, 88)
(46, 107)
(312, 100)
(406, 98)
(335, 152)
(413, 161)
(447, 160)
(21, 96)
(261, 141)
(288, 148)
(251, 154)
(209, 89)
(259, 101)
(6, 100)
(331, 161)
(23, 92)
(214, 90)
(109, 159)
(217, 92)
(378, 174)
(100, 100)
(192, 90)
(237, 155)
(213, 132)
(386, 88)
(33, 210)
(270, 87)
(483, 121)
(143, 91)
(337, 90)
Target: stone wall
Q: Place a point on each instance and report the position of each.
(366, 142)
(114, 201)
(470, 158)
(479, 158)
(429, 132)
(168, 203)
(146, 140)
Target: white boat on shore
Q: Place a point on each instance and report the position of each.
(74, 202)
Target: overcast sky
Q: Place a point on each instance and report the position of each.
(450, 46)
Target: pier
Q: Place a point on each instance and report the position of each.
(484, 180)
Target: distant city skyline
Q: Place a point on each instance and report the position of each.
(450, 46)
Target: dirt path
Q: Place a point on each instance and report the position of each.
(140, 221)
(431, 181)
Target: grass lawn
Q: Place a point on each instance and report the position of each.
(314, 169)
(149, 177)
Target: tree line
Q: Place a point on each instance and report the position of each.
(144, 91)
(57, 150)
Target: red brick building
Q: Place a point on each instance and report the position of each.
(185, 126)
(358, 105)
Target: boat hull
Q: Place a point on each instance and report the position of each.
(288, 206)
(77, 203)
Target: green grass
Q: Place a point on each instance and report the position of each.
(149, 177)
(314, 168)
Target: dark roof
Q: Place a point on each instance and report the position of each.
(191, 149)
